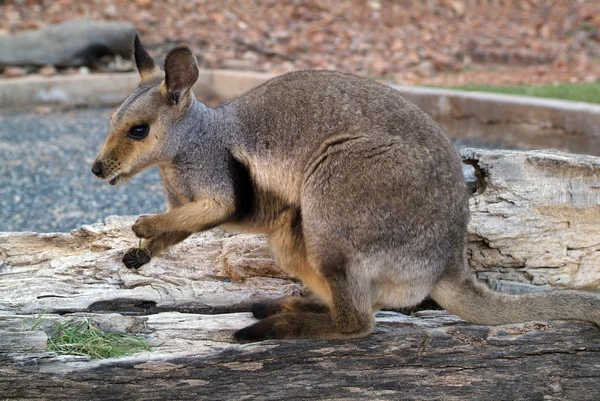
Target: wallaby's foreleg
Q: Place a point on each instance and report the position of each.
(137, 256)
(166, 229)
(192, 217)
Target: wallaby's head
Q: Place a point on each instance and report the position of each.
(139, 134)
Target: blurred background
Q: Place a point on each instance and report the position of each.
(531, 47)
(432, 42)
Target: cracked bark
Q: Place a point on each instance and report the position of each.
(534, 219)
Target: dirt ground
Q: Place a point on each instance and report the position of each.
(440, 42)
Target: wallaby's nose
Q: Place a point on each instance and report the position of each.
(98, 169)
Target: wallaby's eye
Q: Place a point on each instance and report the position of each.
(139, 132)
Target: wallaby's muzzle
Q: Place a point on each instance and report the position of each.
(108, 170)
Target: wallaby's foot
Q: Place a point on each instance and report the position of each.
(300, 325)
(281, 325)
(135, 258)
(261, 310)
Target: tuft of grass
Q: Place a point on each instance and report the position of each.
(38, 320)
(85, 339)
(581, 92)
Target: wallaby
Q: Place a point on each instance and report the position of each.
(360, 193)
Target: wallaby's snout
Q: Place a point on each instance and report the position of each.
(109, 172)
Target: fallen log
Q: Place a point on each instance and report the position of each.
(431, 356)
(534, 219)
(534, 226)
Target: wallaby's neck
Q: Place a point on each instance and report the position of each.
(202, 125)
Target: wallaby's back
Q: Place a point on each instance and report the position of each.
(289, 123)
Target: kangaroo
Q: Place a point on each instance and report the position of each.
(360, 193)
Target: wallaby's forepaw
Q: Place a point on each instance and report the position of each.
(135, 258)
(146, 227)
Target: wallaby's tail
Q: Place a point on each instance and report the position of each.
(476, 303)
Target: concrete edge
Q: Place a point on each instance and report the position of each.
(111, 88)
(441, 104)
(494, 108)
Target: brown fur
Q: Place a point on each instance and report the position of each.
(360, 193)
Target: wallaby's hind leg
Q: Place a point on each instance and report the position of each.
(289, 251)
(349, 316)
(137, 257)
(329, 275)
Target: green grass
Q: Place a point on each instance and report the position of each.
(83, 338)
(581, 92)
(38, 320)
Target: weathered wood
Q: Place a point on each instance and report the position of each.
(82, 271)
(535, 219)
(534, 225)
(432, 356)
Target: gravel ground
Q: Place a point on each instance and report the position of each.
(45, 175)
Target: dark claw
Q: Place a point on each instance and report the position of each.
(135, 258)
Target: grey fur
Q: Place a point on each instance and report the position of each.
(360, 193)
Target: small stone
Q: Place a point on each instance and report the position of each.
(118, 63)
(458, 7)
(374, 5)
(84, 70)
(43, 110)
(14, 72)
(283, 68)
(47, 70)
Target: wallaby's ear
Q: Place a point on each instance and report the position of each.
(181, 72)
(144, 63)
